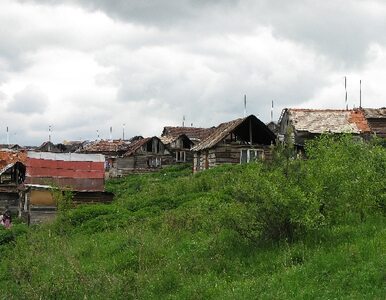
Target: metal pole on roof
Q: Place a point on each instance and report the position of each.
(360, 93)
(345, 88)
(123, 131)
(272, 112)
(245, 106)
(7, 136)
(111, 132)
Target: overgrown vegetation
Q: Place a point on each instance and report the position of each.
(291, 228)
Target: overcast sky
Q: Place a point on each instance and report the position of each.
(86, 65)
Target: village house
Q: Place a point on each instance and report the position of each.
(376, 118)
(179, 147)
(111, 149)
(239, 141)
(300, 125)
(12, 176)
(143, 155)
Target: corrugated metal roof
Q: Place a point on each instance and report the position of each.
(224, 129)
(66, 156)
(328, 120)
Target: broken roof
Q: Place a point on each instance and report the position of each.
(134, 146)
(167, 139)
(8, 158)
(193, 133)
(101, 146)
(264, 136)
(328, 120)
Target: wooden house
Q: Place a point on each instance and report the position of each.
(143, 155)
(300, 125)
(376, 119)
(12, 175)
(111, 149)
(179, 147)
(239, 141)
(51, 147)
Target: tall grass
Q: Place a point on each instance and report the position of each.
(287, 229)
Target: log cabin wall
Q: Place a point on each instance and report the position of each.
(229, 154)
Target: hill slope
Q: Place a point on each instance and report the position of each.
(288, 229)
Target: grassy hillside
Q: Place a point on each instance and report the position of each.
(286, 229)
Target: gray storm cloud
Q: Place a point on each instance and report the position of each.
(147, 63)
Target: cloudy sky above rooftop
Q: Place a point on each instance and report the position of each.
(82, 66)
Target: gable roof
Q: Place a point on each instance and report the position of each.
(134, 146)
(263, 136)
(193, 133)
(328, 120)
(167, 139)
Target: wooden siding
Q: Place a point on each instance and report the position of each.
(226, 154)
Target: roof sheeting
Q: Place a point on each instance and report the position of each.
(67, 156)
(328, 120)
(261, 133)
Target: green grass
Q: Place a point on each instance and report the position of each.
(175, 235)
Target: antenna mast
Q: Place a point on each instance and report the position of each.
(123, 131)
(272, 112)
(183, 121)
(7, 136)
(245, 106)
(345, 88)
(360, 93)
(111, 133)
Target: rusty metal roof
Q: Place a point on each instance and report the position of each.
(328, 120)
(105, 146)
(264, 136)
(193, 133)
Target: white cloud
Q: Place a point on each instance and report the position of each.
(148, 63)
